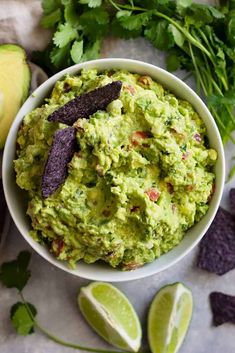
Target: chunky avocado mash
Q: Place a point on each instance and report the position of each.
(142, 176)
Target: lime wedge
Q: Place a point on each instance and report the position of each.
(111, 315)
(169, 317)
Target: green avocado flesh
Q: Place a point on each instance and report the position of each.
(14, 85)
(143, 174)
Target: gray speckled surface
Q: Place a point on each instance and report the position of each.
(54, 292)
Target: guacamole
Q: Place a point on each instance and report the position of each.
(141, 177)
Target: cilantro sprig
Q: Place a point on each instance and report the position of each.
(198, 38)
(15, 274)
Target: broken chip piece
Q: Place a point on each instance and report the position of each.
(223, 308)
(217, 248)
(61, 153)
(232, 199)
(87, 104)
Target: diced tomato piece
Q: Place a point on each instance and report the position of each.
(140, 134)
(137, 136)
(130, 89)
(134, 142)
(185, 155)
(153, 194)
(57, 246)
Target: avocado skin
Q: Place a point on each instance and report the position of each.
(13, 97)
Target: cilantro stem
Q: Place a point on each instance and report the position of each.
(223, 78)
(71, 345)
(59, 340)
(200, 79)
(205, 40)
(130, 7)
(116, 6)
(207, 70)
(216, 87)
(186, 33)
(198, 75)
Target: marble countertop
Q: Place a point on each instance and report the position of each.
(54, 292)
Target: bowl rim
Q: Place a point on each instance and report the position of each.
(133, 275)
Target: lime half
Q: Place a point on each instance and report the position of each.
(169, 317)
(111, 315)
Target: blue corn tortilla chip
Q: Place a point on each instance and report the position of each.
(87, 104)
(232, 199)
(222, 307)
(217, 248)
(61, 153)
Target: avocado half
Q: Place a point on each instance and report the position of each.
(15, 77)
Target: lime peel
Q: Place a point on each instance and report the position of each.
(169, 317)
(103, 318)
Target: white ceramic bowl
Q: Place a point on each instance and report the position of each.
(14, 196)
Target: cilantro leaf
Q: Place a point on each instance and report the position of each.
(214, 11)
(179, 38)
(50, 5)
(95, 22)
(135, 22)
(119, 31)
(231, 31)
(181, 5)
(64, 35)
(21, 319)
(71, 13)
(228, 99)
(60, 57)
(158, 33)
(91, 3)
(172, 62)
(92, 51)
(198, 14)
(15, 274)
(49, 21)
(77, 51)
(123, 13)
(99, 16)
